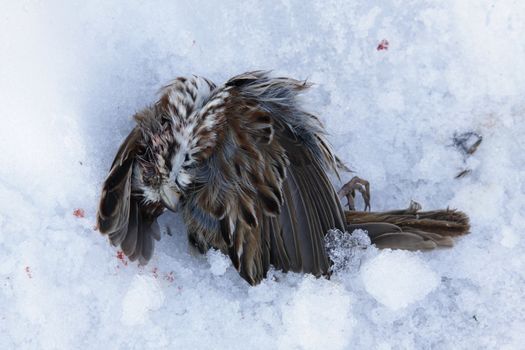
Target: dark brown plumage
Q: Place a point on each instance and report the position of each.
(245, 165)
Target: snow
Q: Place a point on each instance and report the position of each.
(73, 73)
(397, 279)
(317, 318)
(144, 294)
(218, 262)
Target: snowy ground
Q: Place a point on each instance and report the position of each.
(72, 74)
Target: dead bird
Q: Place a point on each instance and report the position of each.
(247, 168)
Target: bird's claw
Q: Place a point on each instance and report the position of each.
(349, 189)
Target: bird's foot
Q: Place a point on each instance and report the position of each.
(349, 189)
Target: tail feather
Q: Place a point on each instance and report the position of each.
(409, 228)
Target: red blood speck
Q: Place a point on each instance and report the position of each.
(79, 213)
(122, 257)
(383, 45)
(169, 277)
(28, 272)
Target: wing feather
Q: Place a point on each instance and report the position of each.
(269, 175)
(121, 215)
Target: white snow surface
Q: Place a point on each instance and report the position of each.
(398, 278)
(72, 73)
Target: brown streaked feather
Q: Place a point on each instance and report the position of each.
(286, 229)
(409, 228)
(278, 254)
(266, 246)
(403, 240)
(113, 211)
(315, 210)
(295, 238)
(269, 169)
(129, 244)
(128, 223)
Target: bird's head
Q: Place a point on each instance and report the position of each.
(157, 165)
(163, 166)
(177, 134)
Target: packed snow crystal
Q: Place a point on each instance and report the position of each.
(395, 82)
(397, 279)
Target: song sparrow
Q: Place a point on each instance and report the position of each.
(246, 166)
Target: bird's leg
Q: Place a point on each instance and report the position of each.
(348, 191)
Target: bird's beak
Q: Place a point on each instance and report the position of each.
(169, 197)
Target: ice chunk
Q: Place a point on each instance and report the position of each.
(218, 262)
(398, 278)
(346, 250)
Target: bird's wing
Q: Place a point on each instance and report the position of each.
(266, 182)
(122, 215)
(310, 209)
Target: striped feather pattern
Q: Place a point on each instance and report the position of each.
(247, 164)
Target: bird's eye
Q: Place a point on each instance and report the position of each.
(187, 165)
